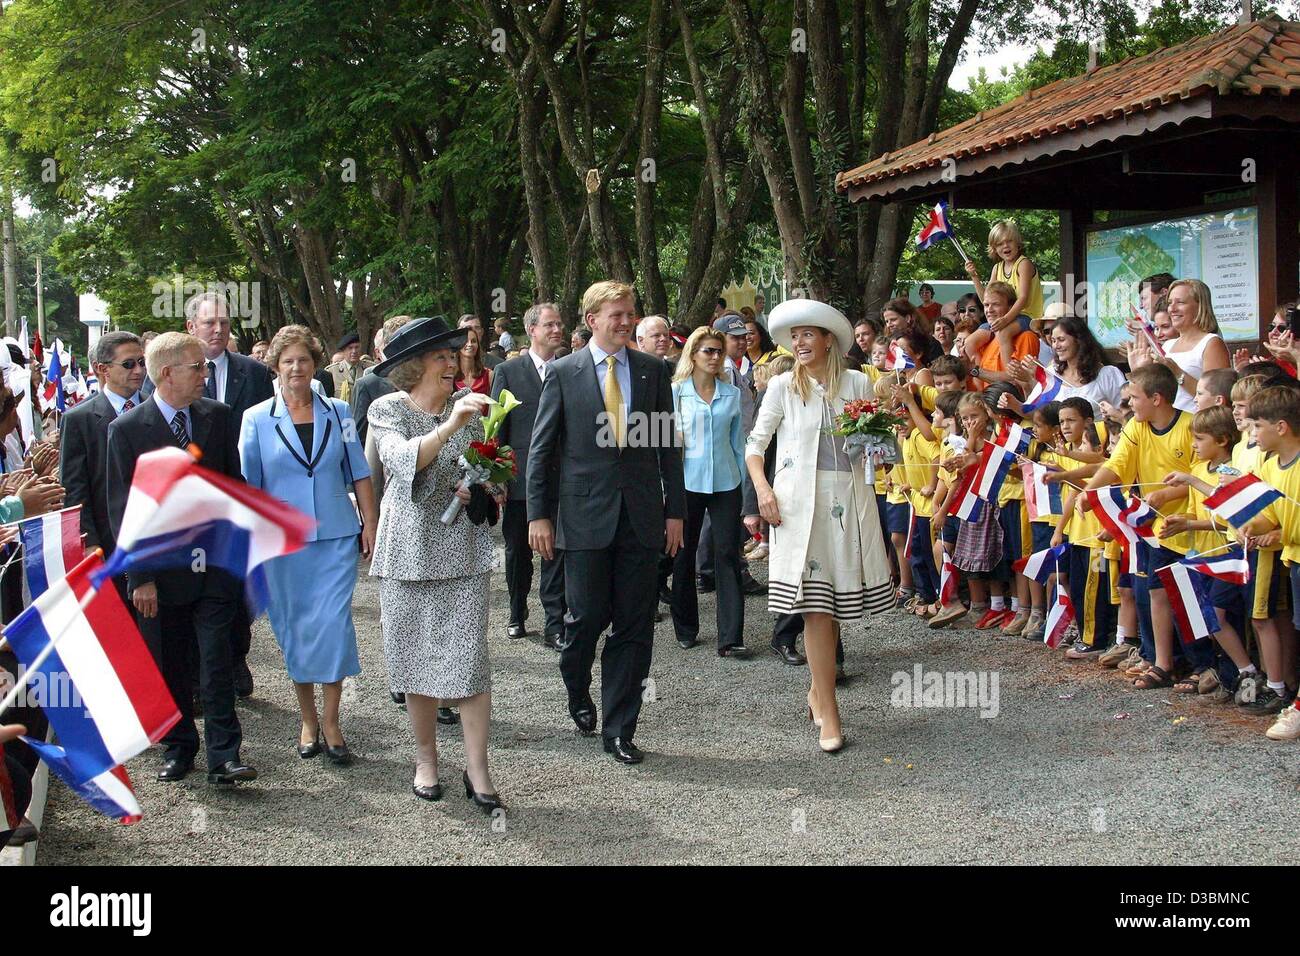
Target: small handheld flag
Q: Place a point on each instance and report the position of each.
(51, 548)
(1128, 521)
(1231, 566)
(1047, 387)
(1059, 618)
(939, 228)
(1189, 602)
(1150, 331)
(110, 793)
(1042, 497)
(1040, 565)
(899, 360)
(947, 581)
(1241, 499)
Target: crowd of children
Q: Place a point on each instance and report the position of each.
(1164, 460)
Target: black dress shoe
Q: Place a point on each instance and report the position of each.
(339, 755)
(306, 752)
(433, 792)
(448, 716)
(738, 651)
(516, 631)
(751, 586)
(623, 750)
(686, 643)
(705, 584)
(398, 698)
(232, 771)
(583, 713)
(554, 641)
(487, 802)
(243, 680)
(173, 770)
(789, 655)
(665, 595)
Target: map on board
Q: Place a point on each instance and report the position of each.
(1220, 248)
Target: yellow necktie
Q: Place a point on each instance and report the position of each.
(614, 401)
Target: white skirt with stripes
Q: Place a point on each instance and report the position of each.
(845, 570)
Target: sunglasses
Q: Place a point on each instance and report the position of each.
(711, 351)
(128, 364)
(969, 309)
(192, 366)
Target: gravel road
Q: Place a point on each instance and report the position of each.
(733, 773)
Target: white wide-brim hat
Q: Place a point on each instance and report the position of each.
(793, 313)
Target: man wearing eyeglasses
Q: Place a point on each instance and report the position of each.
(180, 608)
(118, 360)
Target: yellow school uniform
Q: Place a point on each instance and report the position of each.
(919, 456)
(1203, 541)
(1284, 514)
(1246, 458)
(1145, 456)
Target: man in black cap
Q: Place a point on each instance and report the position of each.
(347, 370)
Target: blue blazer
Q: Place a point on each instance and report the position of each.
(271, 457)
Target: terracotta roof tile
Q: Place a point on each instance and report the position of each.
(1255, 58)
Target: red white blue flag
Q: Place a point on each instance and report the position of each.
(1059, 618)
(937, 229)
(99, 686)
(1241, 499)
(177, 507)
(1046, 387)
(1127, 519)
(51, 548)
(899, 360)
(1231, 566)
(110, 793)
(1042, 497)
(1189, 600)
(947, 581)
(1040, 565)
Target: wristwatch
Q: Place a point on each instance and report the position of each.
(975, 372)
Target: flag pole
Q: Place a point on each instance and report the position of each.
(960, 251)
(1052, 371)
(1222, 547)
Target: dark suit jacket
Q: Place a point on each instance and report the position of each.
(143, 429)
(367, 388)
(83, 467)
(248, 383)
(520, 376)
(595, 481)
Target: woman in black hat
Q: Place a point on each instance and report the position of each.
(433, 578)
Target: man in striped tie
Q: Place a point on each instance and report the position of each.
(118, 361)
(184, 607)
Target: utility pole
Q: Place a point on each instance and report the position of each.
(40, 301)
(10, 267)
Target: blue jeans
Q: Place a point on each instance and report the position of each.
(925, 577)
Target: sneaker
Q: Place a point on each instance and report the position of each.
(1287, 726)
(1114, 654)
(750, 545)
(1268, 701)
(759, 553)
(1248, 687)
(990, 619)
(1220, 695)
(1080, 651)
(953, 612)
(1034, 628)
(1019, 620)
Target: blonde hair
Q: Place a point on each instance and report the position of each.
(1003, 289)
(686, 362)
(1003, 230)
(598, 293)
(168, 349)
(801, 379)
(1246, 386)
(776, 365)
(1205, 319)
(976, 400)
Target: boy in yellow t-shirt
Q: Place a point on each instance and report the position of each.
(1089, 572)
(920, 457)
(1156, 442)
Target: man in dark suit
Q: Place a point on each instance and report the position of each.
(606, 416)
(180, 608)
(239, 382)
(523, 377)
(118, 360)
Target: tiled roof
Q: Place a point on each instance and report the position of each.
(1262, 57)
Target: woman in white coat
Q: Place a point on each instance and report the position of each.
(827, 559)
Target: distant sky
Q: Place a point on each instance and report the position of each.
(992, 61)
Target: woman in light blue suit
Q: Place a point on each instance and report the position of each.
(303, 448)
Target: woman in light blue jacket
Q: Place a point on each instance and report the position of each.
(709, 418)
(302, 448)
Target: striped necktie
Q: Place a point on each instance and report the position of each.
(179, 429)
(128, 405)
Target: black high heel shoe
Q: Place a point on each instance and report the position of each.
(306, 752)
(487, 802)
(338, 755)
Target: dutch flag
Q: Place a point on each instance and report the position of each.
(947, 581)
(1040, 565)
(99, 685)
(1241, 499)
(1231, 566)
(966, 503)
(110, 793)
(899, 360)
(1043, 498)
(937, 229)
(51, 548)
(1189, 601)
(1059, 618)
(1047, 387)
(1128, 520)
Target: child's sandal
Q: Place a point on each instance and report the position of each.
(1188, 685)
(1153, 678)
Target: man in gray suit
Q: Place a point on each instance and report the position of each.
(524, 377)
(606, 416)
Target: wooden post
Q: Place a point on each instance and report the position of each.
(1074, 253)
(1279, 236)
(10, 266)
